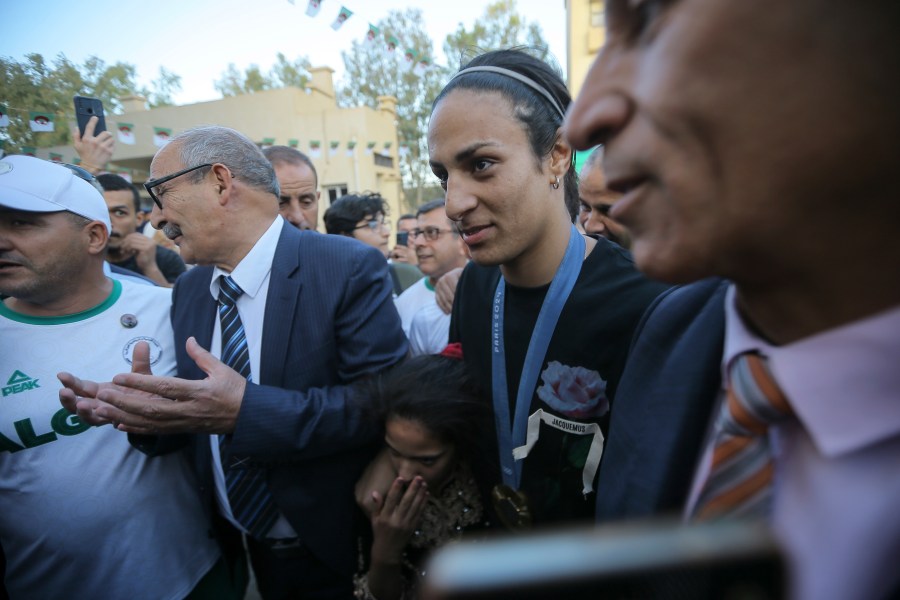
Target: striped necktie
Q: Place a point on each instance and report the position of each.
(251, 502)
(739, 483)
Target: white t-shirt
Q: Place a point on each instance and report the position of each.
(411, 300)
(429, 331)
(82, 513)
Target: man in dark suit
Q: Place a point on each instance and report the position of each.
(757, 142)
(314, 313)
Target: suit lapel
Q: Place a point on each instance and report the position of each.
(281, 305)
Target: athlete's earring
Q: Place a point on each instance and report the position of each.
(555, 184)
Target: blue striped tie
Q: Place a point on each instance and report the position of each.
(251, 503)
(740, 477)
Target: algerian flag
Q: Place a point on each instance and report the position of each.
(126, 175)
(4, 116)
(410, 58)
(387, 149)
(313, 8)
(54, 157)
(76, 161)
(126, 133)
(391, 44)
(315, 148)
(333, 148)
(267, 142)
(293, 143)
(372, 34)
(29, 150)
(370, 147)
(40, 121)
(341, 18)
(350, 147)
(404, 149)
(161, 136)
(422, 66)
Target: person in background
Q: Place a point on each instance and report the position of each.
(755, 145)
(128, 248)
(543, 313)
(298, 181)
(363, 217)
(405, 253)
(596, 200)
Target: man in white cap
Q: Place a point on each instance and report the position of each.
(80, 509)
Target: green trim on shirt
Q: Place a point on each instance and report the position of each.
(12, 315)
(428, 284)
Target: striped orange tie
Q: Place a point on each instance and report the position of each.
(740, 477)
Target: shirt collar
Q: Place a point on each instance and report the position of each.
(842, 383)
(254, 268)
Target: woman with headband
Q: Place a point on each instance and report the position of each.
(544, 314)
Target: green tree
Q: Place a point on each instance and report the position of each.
(34, 84)
(162, 88)
(499, 27)
(370, 72)
(284, 73)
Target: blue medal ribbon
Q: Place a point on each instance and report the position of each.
(554, 301)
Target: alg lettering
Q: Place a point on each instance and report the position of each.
(62, 423)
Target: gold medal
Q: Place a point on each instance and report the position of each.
(512, 507)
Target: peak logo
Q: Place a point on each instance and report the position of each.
(19, 382)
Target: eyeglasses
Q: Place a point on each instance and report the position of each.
(157, 182)
(430, 233)
(84, 175)
(375, 224)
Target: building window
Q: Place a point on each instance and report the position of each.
(383, 161)
(596, 7)
(335, 192)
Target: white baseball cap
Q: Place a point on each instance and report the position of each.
(34, 185)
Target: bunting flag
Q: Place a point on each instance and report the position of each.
(372, 34)
(333, 148)
(293, 143)
(161, 136)
(54, 157)
(387, 149)
(40, 121)
(410, 59)
(4, 116)
(315, 148)
(126, 133)
(313, 7)
(341, 18)
(267, 143)
(350, 147)
(76, 161)
(124, 174)
(370, 147)
(404, 149)
(391, 43)
(29, 150)
(422, 66)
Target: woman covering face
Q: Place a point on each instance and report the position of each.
(543, 314)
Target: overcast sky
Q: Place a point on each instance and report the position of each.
(197, 39)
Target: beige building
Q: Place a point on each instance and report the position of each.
(585, 35)
(353, 149)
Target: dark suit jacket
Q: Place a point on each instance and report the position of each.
(663, 404)
(330, 320)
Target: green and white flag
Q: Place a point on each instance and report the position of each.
(422, 66)
(315, 148)
(341, 18)
(386, 150)
(293, 143)
(4, 116)
(266, 143)
(40, 121)
(124, 174)
(312, 9)
(126, 133)
(350, 147)
(54, 157)
(372, 34)
(404, 149)
(29, 150)
(391, 43)
(76, 161)
(370, 147)
(410, 58)
(161, 136)
(333, 147)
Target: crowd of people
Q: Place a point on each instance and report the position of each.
(701, 323)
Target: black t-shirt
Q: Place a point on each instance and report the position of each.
(588, 349)
(168, 262)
